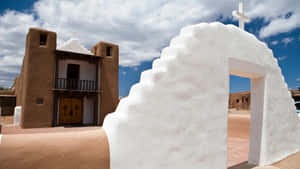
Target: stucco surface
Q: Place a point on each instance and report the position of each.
(88, 110)
(87, 70)
(17, 115)
(170, 119)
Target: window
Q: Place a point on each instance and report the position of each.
(95, 50)
(43, 39)
(247, 99)
(108, 51)
(237, 100)
(39, 101)
(297, 106)
(73, 71)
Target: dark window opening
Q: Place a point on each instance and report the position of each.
(73, 71)
(43, 39)
(73, 76)
(237, 100)
(39, 101)
(95, 50)
(298, 106)
(108, 51)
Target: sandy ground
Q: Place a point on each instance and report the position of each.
(87, 147)
(57, 150)
(241, 112)
(238, 139)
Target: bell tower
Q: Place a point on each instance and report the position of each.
(108, 74)
(38, 79)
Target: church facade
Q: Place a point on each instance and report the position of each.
(240, 100)
(67, 84)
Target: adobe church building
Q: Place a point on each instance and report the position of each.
(241, 100)
(68, 84)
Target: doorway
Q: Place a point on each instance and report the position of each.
(73, 76)
(239, 115)
(70, 111)
(252, 131)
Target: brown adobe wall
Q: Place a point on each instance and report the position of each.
(36, 80)
(109, 78)
(7, 92)
(19, 81)
(240, 101)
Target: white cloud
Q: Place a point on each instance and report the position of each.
(135, 68)
(140, 27)
(281, 16)
(287, 40)
(298, 79)
(282, 58)
(281, 25)
(13, 29)
(275, 42)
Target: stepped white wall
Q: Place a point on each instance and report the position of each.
(176, 116)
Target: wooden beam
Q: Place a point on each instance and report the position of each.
(77, 56)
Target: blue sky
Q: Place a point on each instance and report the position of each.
(143, 28)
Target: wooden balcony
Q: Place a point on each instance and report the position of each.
(75, 85)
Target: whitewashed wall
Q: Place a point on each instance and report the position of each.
(88, 110)
(170, 120)
(87, 70)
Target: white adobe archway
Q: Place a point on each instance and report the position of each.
(176, 116)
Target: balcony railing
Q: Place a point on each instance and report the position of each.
(75, 85)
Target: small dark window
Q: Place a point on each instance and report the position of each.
(95, 50)
(297, 106)
(43, 39)
(237, 100)
(39, 101)
(108, 51)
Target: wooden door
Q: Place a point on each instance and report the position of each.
(76, 111)
(70, 111)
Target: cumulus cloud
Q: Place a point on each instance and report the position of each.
(281, 16)
(282, 58)
(287, 40)
(281, 25)
(140, 27)
(275, 42)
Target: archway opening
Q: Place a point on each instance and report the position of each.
(239, 115)
(255, 74)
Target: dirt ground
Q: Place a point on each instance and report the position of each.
(56, 150)
(240, 112)
(238, 139)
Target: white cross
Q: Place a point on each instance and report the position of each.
(240, 15)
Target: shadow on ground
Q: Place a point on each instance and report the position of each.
(243, 165)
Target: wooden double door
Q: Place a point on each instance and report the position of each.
(70, 111)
